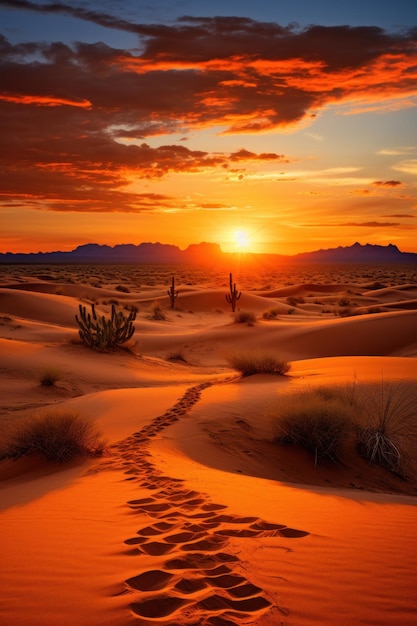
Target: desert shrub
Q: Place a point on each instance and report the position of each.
(270, 314)
(157, 312)
(49, 375)
(249, 363)
(294, 300)
(245, 317)
(344, 302)
(122, 289)
(101, 333)
(58, 436)
(374, 309)
(390, 429)
(317, 420)
(290, 311)
(177, 356)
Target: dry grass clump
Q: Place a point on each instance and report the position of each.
(245, 317)
(58, 435)
(389, 432)
(318, 420)
(271, 314)
(49, 375)
(157, 312)
(249, 363)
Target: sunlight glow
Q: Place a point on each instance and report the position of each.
(242, 239)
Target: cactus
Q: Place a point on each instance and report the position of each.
(234, 295)
(173, 295)
(101, 333)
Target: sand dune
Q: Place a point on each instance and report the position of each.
(194, 516)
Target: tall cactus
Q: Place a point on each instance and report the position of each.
(234, 294)
(101, 333)
(173, 295)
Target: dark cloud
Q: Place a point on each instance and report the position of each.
(75, 119)
(387, 183)
(379, 225)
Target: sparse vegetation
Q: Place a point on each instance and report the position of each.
(234, 295)
(249, 363)
(122, 289)
(172, 293)
(318, 420)
(101, 333)
(245, 317)
(177, 356)
(157, 312)
(58, 436)
(390, 430)
(49, 375)
(294, 300)
(270, 314)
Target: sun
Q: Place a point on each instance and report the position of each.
(241, 239)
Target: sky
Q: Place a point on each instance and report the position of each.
(269, 127)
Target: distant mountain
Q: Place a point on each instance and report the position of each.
(358, 253)
(208, 253)
(123, 253)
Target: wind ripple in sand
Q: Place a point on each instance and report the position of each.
(195, 579)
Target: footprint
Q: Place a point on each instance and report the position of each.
(157, 607)
(155, 548)
(153, 580)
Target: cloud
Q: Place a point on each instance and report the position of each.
(379, 225)
(387, 183)
(75, 119)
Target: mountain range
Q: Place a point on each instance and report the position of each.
(208, 253)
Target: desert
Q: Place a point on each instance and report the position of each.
(195, 511)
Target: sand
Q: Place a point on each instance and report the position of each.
(193, 515)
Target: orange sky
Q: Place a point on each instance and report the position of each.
(246, 133)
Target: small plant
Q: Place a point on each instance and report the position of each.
(173, 294)
(157, 312)
(177, 356)
(317, 420)
(122, 289)
(344, 302)
(294, 300)
(270, 314)
(249, 363)
(58, 436)
(390, 431)
(49, 375)
(101, 333)
(234, 294)
(245, 317)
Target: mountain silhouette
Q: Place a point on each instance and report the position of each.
(208, 253)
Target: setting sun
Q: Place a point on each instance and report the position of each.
(241, 240)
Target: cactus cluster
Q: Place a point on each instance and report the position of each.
(101, 333)
(234, 294)
(173, 295)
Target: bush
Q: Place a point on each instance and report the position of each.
(317, 420)
(249, 363)
(245, 317)
(49, 375)
(270, 314)
(157, 312)
(390, 430)
(122, 289)
(58, 436)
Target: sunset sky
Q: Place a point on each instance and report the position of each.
(265, 126)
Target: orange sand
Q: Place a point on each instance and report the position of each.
(194, 516)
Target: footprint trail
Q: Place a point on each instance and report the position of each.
(196, 579)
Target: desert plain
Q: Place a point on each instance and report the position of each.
(194, 515)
